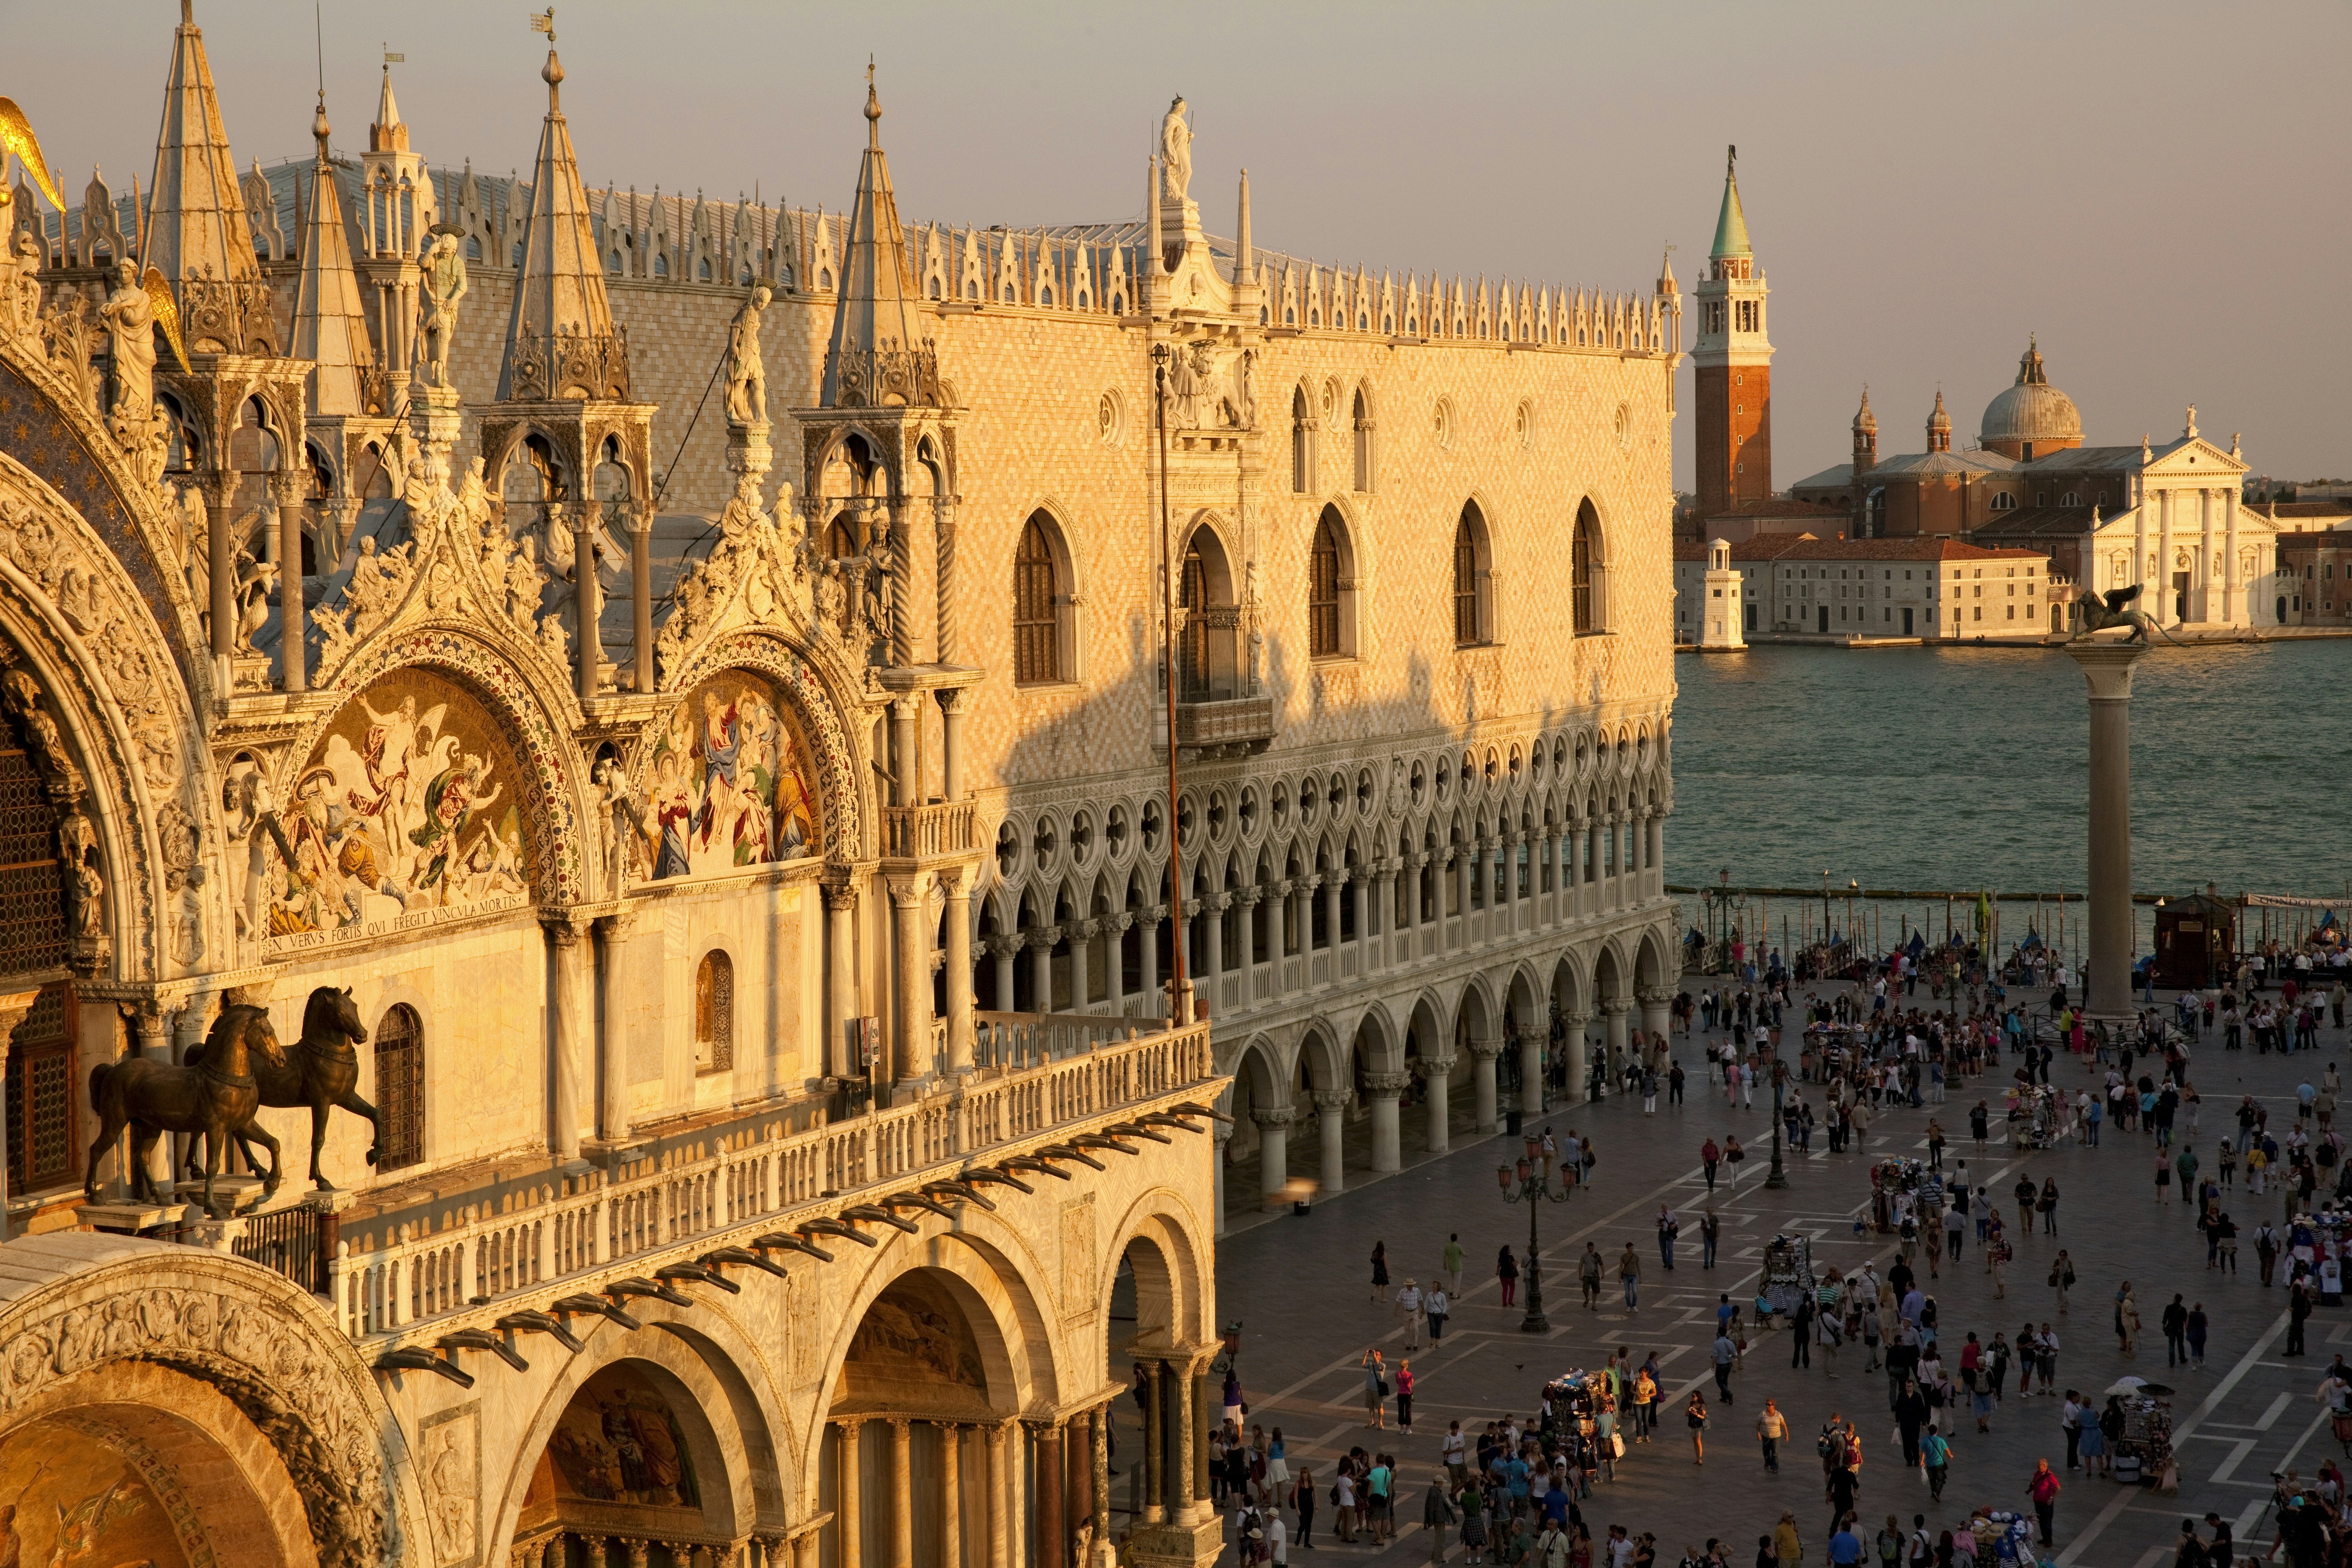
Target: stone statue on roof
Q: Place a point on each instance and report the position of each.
(1175, 152)
(130, 318)
(747, 380)
(445, 286)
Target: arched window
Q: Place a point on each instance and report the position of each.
(714, 1013)
(1587, 573)
(1362, 419)
(1209, 651)
(1036, 617)
(399, 1088)
(1302, 442)
(1472, 620)
(1324, 639)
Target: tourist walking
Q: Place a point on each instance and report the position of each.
(1379, 1273)
(2046, 1206)
(2126, 1320)
(1452, 1257)
(1935, 1455)
(2174, 1322)
(1669, 1226)
(2043, 1488)
(1437, 1512)
(1404, 1396)
(1588, 1273)
(2062, 1279)
(1629, 1274)
(1506, 1273)
(1724, 1354)
(1407, 1307)
(1710, 1234)
(1771, 1431)
(1376, 1390)
(2193, 1330)
(1695, 1413)
(1302, 1501)
(1438, 1308)
(1709, 1157)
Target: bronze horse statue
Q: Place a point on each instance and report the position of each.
(319, 1072)
(218, 1100)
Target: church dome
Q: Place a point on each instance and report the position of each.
(2032, 414)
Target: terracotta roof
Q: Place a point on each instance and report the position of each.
(2035, 522)
(1925, 549)
(2310, 507)
(1761, 547)
(1778, 506)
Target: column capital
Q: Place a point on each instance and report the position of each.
(1616, 1007)
(565, 927)
(1250, 897)
(1005, 946)
(2106, 665)
(1333, 1099)
(620, 925)
(1485, 1048)
(900, 1423)
(957, 880)
(1653, 996)
(840, 895)
(910, 889)
(1438, 1066)
(1386, 1085)
(1272, 1116)
(1574, 1020)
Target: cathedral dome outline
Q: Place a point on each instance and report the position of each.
(2031, 413)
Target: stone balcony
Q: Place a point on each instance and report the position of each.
(945, 830)
(1045, 1098)
(1225, 727)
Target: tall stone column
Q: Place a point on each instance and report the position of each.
(1433, 1082)
(1413, 865)
(569, 1015)
(1578, 1068)
(2162, 608)
(220, 551)
(999, 1494)
(1082, 962)
(2230, 583)
(1004, 950)
(847, 1513)
(1359, 890)
(1149, 924)
(1185, 1493)
(944, 540)
(1332, 882)
(1483, 1053)
(1330, 1132)
(958, 883)
(951, 1495)
(902, 618)
(1274, 1152)
(1463, 873)
(1220, 1135)
(1384, 1089)
(902, 1493)
(1596, 873)
(840, 976)
(1531, 1064)
(1657, 1019)
(641, 595)
(2107, 667)
(1114, 928)
(286, 501)
(2201, 581)
(612, 1042)
(906, 779)
(1053, 1535)
(1098, 1442)
(1041, 966)
(951, 706)
(1614, 1011)
(1155, 1443)
(588, 598)
(1016, 1494)
(911, 1036)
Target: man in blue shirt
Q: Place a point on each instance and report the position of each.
(1845, 1546)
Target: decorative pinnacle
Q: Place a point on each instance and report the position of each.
(873, 108)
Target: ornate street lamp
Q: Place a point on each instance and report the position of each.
(1778, 1177)
(1529, 1182)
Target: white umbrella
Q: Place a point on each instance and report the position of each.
(2127, 1385)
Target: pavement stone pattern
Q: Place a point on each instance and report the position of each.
(1300, 1287)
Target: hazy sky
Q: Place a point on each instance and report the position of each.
(2160, 189)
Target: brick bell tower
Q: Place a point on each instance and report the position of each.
(1733, 359)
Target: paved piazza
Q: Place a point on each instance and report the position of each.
(1300, 1287)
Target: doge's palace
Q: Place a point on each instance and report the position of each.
(592, 974)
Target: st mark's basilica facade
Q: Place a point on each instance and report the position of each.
(642, 721)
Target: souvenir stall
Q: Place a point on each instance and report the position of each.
(1788, 1272)
(2143, 1455)
(1899, 1186)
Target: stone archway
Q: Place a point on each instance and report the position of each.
(157, 1354)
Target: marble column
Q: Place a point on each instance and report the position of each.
(1155, 1444)
(1384, 1089)
(588, 598)
(1483, 1053)
(951, 1495)
(1433, 1081)
(2230, 583)
(1196, 1443)
(1657, 856)
(215, 490)
(840, 977)
(848, 1519)
(902, 1492)
(641, 594)
(957, 882)
(1148, 926)
(1053, 1533)
(2162, 608)
(1274, 1152)
(943, 549)
(1000, 1493)
(1332, 881)
(1016, 1495)
(612, 1041)
(2107, 667)
(285, 508)
(1532, 1066)
(2200, 581)
(1114, 961)
(1359, 890)
(1041, 967)
(1330, 1130)
(1220, 1134)
(1082, 963)
(569, 1016)
(1463, 872)
(1614, 1011)
(1578, 1068)
(1595, 868)
(1098, 1443)
(1004, 950)
(911, 1035)
(905, 778)
(1657, 1019)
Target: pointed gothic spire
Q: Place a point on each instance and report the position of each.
(1243, 264)
(560, 288)
(196, 224)
(878, 313)
(1939, 426)
(389, 133)
(1867, 420)
(329, 314)
(1666, 284)
(1731, 222)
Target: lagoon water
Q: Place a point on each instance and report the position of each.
(1964, 768)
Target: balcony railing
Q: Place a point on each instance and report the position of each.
(1234, 726)
(931, 832)
(413, 1287)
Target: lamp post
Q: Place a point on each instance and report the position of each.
(1778, 1177)
(1530, 1184)
(1825, 908)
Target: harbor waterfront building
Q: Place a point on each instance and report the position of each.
(639, 724)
